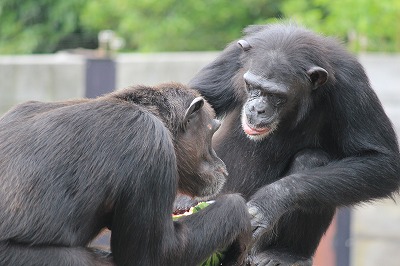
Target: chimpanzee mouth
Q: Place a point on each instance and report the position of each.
(254, 132)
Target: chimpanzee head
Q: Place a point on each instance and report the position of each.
(281, 77)
(190, 121)
(201, 172)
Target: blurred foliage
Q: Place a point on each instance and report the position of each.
(43, 26)
(39, 26)
(365, 25)
(173, 25)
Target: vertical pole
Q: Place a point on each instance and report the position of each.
(100, 76)
(342, 238)
(100, 79)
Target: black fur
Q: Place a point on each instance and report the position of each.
(330, 115)
(69, 169)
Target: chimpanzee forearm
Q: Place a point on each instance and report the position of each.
(339, 183)
(216, 227)
(349, 181)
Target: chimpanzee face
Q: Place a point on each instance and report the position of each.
(278, 91)
(201, 172)
(262, 111)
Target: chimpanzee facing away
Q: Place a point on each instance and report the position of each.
(303, 133)
(69, 169)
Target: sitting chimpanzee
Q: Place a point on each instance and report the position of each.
(303, 133)
(69, 169)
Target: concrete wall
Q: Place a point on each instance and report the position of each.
(45, 78)
(62, 76)
(375, 238)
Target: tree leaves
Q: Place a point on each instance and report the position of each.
(39, 26)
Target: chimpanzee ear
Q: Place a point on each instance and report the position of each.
(317, 75)
(244, 44)
(196, 104)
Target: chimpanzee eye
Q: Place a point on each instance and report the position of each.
(248, 86)
(254, 93)
(276, 99)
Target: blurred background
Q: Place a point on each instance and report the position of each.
(47, 26)
(56, 50)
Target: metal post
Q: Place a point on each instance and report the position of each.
(342, 237)
(100, 76)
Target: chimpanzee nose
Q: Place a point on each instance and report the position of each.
(260, 106)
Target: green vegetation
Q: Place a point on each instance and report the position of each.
(44, 26)
(366, 25)
(40, 26)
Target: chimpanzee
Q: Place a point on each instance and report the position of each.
(69, 169)
(303, 134)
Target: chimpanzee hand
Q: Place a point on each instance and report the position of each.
(236, 254)
(260, 223)
(277, 258)
(267, 206)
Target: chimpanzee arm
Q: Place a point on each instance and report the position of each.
(143, 231)
(369, 169)
(221, 224)
(216, 81)
(340, 183)
(188, 241)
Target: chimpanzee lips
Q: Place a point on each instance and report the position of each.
(251, 130)
(255, 131)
